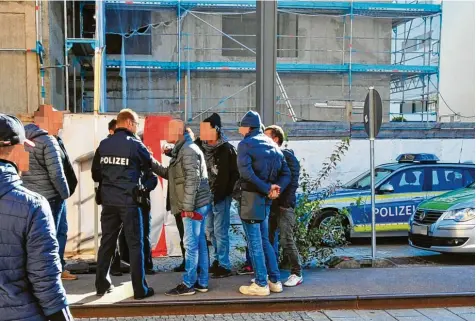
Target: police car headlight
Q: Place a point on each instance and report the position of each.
(461, 215)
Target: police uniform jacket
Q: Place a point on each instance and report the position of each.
(118, 165)
(187, 177)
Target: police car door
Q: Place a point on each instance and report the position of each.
(394, 208)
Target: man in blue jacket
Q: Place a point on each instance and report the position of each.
(263, 170)
(30, 267)
(282, 211)
(118, 165)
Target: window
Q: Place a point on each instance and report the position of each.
(408, 181)
(243, 29)
(446, 179)
(124, 22)
(363, 181)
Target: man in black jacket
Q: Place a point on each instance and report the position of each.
(282, 211)
(220, 157)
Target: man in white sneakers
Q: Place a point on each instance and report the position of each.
(282, 216)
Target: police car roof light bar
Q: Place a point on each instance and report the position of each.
(420, 158)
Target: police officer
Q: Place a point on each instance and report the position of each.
(118, 165)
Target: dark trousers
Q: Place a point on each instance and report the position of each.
(283, 220)
(179, 222)
(113, 218)
(122, 252)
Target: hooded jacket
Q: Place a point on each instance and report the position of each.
(46, 174)
(30, 268)
(260, 162)
(187, 177)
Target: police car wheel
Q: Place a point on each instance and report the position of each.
(324, 218)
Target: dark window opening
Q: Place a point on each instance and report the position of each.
(132, 26)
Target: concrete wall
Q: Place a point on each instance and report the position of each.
(457, 70)
(18, 69)
(320, 41)
(53, 39)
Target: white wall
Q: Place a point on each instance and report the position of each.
(457, 76)
(78, 136)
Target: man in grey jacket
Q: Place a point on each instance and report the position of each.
(46, 177)
(189, 196)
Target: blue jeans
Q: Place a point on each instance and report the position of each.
(218, 226)
(262, 255)
(196, 251)
(58, 209)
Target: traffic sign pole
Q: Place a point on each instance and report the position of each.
(372, 166)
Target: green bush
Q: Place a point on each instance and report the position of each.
(320, 243)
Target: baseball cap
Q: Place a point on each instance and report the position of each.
(12, 131)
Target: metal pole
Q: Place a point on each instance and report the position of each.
(372, 166)
(74, 88)
(66, 72)
(267, 14)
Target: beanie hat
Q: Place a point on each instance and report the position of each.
(214, 120)
(251, 119)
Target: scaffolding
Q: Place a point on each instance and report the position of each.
(191, 58)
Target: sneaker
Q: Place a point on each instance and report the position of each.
(66, 275)
(293, 280)
(181, 290)
(150, 292)
(245, 270)
(214, 267)
(254, 289)
(275, 287)
(221, 272)
(102, 293)
(180, 268)
(199, 288)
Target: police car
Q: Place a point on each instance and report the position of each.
(445, 223)
(400, 188)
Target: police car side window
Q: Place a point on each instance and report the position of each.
(408, 181)
(445, 179)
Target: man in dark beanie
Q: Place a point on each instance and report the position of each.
(220, 157)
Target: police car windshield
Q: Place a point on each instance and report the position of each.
(363, 181)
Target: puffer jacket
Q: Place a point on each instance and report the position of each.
(187, 177)
(261, 164)
(287, 198)
(30, 268)
(46, 175)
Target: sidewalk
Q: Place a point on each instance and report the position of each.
(440, 314)
(322, 285)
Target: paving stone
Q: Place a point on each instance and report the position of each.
(467, 317)
(417, 318)
(341, 314)
(462, 310)
(375, 315)
(404, 313)
(439, 315)
(317, 316)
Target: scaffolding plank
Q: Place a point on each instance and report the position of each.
(281, 67)
(336, 7)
